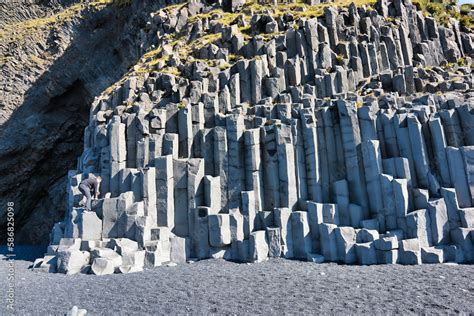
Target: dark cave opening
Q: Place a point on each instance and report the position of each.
(75, 99)
(60, 133)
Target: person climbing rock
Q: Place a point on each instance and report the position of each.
(90, 188)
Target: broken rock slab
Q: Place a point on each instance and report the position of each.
(432, 255)
(274, 241)
(258, 246)
(409, 251)
(180, 248)
(366, 254)
(345, 240)
(72, 261)
(102, 266)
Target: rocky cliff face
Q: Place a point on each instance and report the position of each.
(56, 57)
(318, 132)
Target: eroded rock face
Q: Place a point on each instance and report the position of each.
(350, 133)
(50, 77)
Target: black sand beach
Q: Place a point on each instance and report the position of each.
(274, 287)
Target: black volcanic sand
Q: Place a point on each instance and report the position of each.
(277, 286)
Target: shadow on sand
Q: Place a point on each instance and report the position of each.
(25, 253)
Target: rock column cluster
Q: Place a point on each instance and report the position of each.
(278, 155)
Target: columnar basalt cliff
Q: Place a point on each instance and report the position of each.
(316, 132)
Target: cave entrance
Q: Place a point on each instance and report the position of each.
(54, 147)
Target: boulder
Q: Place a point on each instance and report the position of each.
(123, 245)
(133, 259)
(75, 311)
(72, 261)
(102, 266)
(109, 254)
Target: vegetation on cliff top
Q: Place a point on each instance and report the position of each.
(17, 31)
(157, 58)
(443, 10)
(185, 48)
